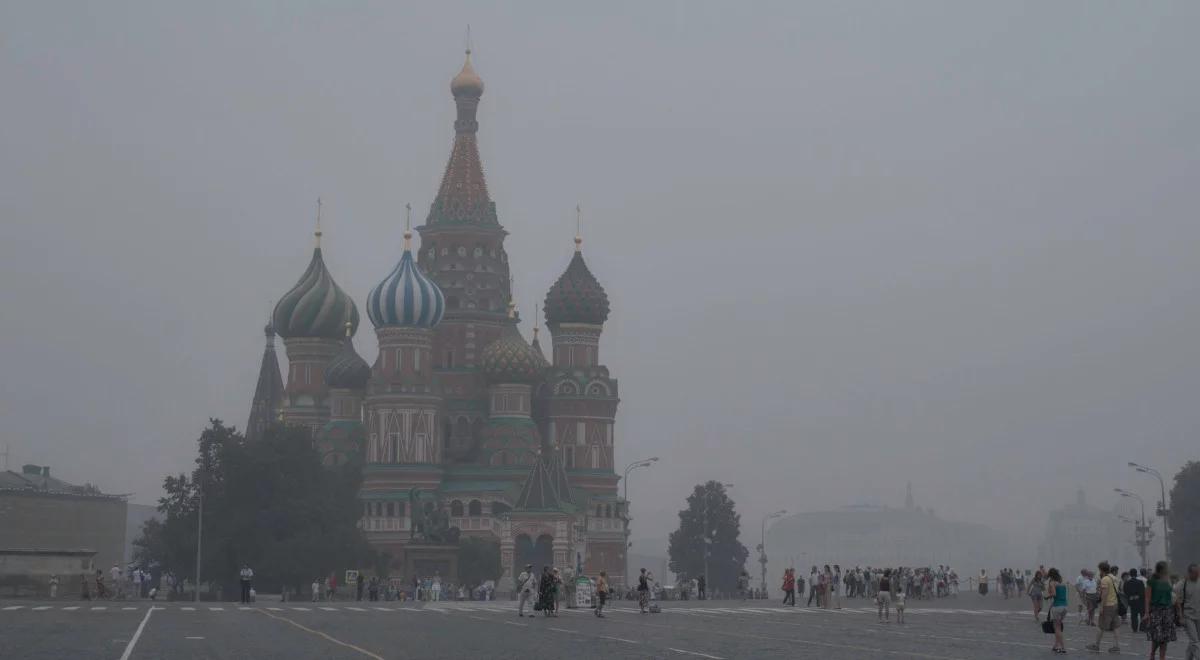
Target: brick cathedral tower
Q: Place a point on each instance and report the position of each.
(403, 404)
(580, 403)
(462, 250)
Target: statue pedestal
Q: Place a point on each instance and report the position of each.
(423, 560)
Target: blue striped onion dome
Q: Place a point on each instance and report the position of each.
(347, 369)
(406, 298)
(510, 359)
(316, 306)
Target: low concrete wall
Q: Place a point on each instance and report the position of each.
(27, 573)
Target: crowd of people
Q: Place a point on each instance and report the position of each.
(1155, 604)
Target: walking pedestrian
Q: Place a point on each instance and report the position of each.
(546, 592)
(1135, 597)
(814, 580)
(245, 578)
(702, 588)
(743, 584)
(1091, 596)
(1036, 593)
(114, 575)
(835, 587)
(1107, 599)
(983, 582)
(789, 586)
(883, 598)
(601, 593)
(359, 582)
(1189, 614)
(526, 587)
(1057, 592)
(53, 586)
(1159, 613)
(643, 589)
(316, 590)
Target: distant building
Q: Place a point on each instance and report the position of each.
(1079, 535)
(881, 536)
(48, 526)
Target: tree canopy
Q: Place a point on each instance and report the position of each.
(268, 503)
(1184, 517)
(726, 554)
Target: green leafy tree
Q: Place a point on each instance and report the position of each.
(478, 560)
(711, 520)
(268, 503)
(1184, 518)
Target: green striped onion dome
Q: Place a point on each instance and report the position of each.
(316, 306)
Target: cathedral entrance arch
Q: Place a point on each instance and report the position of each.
(527, 551)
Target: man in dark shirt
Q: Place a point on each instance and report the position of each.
(1135, 594)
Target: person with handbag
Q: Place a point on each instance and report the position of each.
(1159, 612)
(1056, 591)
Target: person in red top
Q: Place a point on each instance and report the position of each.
(789, 587)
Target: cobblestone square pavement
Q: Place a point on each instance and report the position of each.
(962, 628)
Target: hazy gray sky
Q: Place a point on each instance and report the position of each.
(847, 244)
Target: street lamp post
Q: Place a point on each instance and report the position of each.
(625, 496)
(1144, 535)
(199, 530)
(1162, 504)
(707, 533)
(762, 546)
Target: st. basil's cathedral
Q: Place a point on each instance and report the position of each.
(458, 410)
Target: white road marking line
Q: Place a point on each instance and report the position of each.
(356, 609)
(563, 630)
(193, 638)
(188, 609)
(301, 609)
(137, 635)
(275, 609)
(329, 609)
(14, 607)
(216, 609)
(514, 623)
(702, 655)
(320, 634)
(101, 607)
(128, 608)
(382, 609)
(40, 608)
(437, 609)
(619, 639)
(72, 608)
(245, 608)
